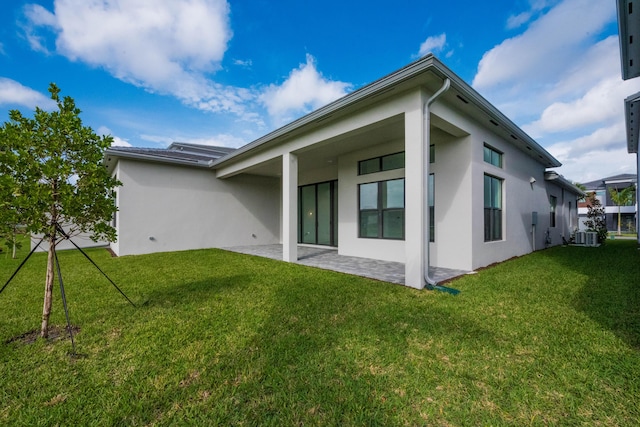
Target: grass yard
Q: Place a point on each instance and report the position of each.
(220, 338)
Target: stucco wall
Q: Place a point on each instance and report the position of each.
(348, 180)
(460, 169)
(452, 246)
(169, 208)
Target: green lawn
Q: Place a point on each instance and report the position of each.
(221, 338)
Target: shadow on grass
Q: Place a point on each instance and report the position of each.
(194, 292)
(332, 359)
(611, 291)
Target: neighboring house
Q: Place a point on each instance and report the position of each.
(602, 189)
(628, 29)
(415, 157)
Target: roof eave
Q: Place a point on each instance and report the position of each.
(552, 176)
(151, 158)
(516, 133)
(629, 29)
(632, 119)
(324, 112)
(426, 63)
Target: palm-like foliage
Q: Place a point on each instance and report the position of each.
(621, 198)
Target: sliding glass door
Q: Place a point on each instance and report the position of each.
(318, 213)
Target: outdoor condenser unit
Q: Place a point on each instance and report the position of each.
(591, 238)
(580, 238)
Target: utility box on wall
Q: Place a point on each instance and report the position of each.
(534, 218)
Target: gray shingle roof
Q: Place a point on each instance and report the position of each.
(177, 153)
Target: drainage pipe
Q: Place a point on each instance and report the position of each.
(426, 137)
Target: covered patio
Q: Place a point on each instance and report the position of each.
(329, 259)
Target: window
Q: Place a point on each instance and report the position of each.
(381, 164)
(492, 208)
(492, 156)
(432, 153)
(432, 211)
(553, 201)
(570, 216)
(317, 213)
(381, 206)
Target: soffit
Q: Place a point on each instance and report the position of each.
(629, 29)
(632, 118)
(427, 73)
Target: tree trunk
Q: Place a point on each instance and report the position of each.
(619, 220)
(14, 240)
(48, 287)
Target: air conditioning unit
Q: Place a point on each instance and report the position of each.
(580, 237)
(591, 238)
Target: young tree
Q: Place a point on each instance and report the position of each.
(596, 220)
(52, 174)
(622, 197)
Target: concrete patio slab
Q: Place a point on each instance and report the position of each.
(329, 259)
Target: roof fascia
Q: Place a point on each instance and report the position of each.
(325, 112)
(426, 63)
(516, 133)
(155, 159)
(632, 118)
(629, 31)
(552, 176)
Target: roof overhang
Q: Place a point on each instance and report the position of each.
(112, 156)
(426, 72)
(562, 182)
(632, 117)
(629, 29)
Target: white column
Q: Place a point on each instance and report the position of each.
(290, 207)
(414, 196)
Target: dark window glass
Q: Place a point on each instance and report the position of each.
(393, 161)
(432, 211)
(382, 163)
(492, 208)
(492, 156)
(381, 207)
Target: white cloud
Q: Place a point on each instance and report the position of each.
(304, 89)
(548, 47)
(37, 16)
(434, 44)
(221, 140)
(14, 93)
(243, 63)
(595, 155)
(164, 46)
(602, 103)
(117, 141)
(561, 82)
(518, 20)
(515, 21)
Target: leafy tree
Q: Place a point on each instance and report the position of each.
(581, 187)
(596, 220)
(52, 174)
(9, 229)
(622, 197)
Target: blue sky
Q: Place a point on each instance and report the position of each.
(150, 72)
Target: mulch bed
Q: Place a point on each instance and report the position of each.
(56, 333)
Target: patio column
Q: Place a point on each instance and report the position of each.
(414, 195)
(290, 207)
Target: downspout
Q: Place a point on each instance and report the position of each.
(430, 283)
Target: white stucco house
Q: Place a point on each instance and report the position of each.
(416, 167)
